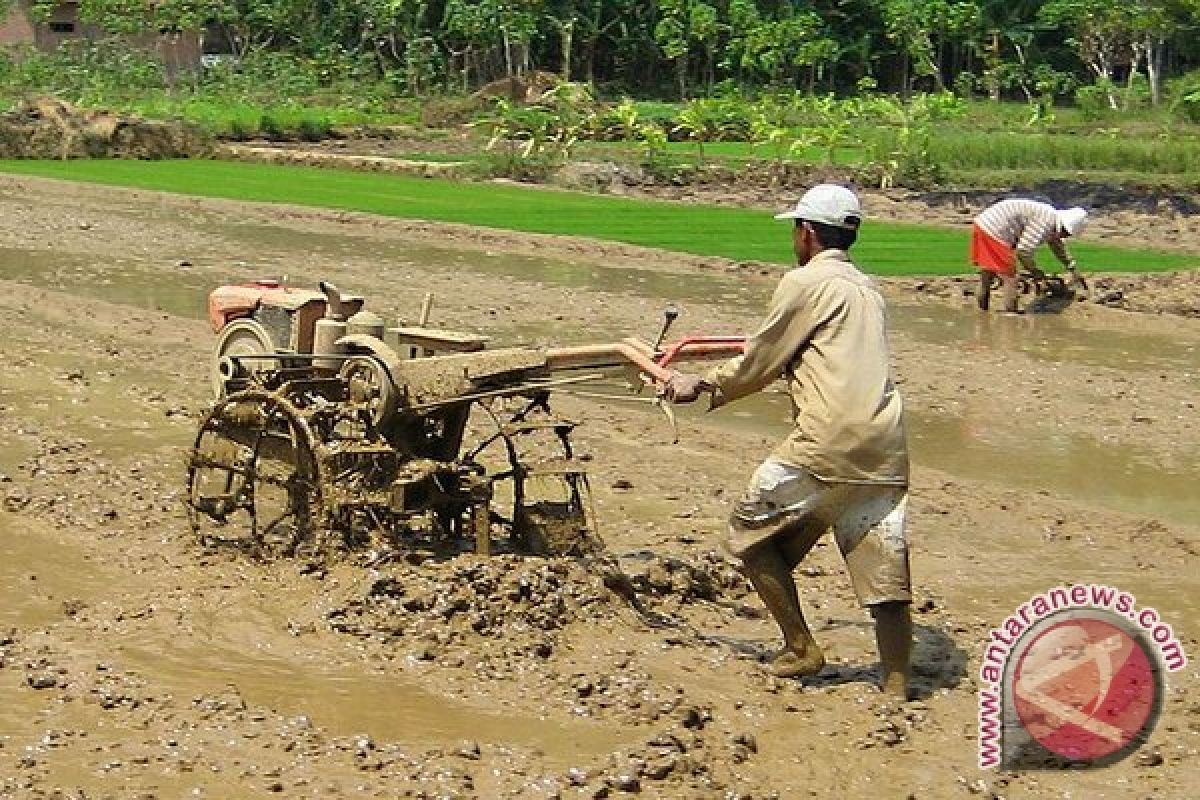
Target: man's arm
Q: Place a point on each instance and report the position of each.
(787, 326)
(1037, 229)
(1059, 247)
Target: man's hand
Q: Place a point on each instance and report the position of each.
(1076, 281)
(684, 388)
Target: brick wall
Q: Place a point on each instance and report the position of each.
(178, 52)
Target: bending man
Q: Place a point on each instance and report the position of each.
(845, 465)
(1011, 231)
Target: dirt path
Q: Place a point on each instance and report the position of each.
(135, 664)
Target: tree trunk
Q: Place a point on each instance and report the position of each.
(1134, 60)
(568, 33)
(994, 89)
(1155, 45)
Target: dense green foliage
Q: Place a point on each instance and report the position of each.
(741, 234)
(907, 101)
(1119, 51)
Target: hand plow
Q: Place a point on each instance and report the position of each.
(331, 430)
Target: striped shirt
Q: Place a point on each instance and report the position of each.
(1024, 225)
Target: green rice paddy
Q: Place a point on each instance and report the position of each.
(734, 233)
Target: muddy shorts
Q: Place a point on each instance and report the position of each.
(793, 507)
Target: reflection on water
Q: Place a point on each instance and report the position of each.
(1122, 478)
(1078, 467)
(690, 286)
(1047, 337)
(139, 285)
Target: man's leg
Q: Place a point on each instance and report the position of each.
(771, 575)
(771, 528)
(872, 539)
(985, 290)
(894, 638)
(1008, 283)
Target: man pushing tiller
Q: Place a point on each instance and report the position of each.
(845, 465)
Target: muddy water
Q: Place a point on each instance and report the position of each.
(1122, 478)
(392, 257)
(1078, 467)
(40, 572)
(181, 294)
(349, 703)
(1048, 337)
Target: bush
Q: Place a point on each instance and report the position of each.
(1093, 100)
(240, 130)
(510, 162)
(1183, 95)
(314, 129)
(713, 119)
(81, 71)
(272, 128)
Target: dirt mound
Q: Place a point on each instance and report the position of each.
(1062, 193)
(517, 600)
(520, 604)
(527, 88)
(47, 127)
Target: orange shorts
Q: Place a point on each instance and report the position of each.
(991, 254)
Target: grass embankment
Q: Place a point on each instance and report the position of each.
(734, 233)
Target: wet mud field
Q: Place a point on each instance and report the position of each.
(1049, 449)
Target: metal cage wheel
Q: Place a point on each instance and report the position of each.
(254, 468)
(540, 493)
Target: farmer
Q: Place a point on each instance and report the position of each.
(845, 465)
(1010, 231)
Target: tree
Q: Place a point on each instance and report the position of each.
(915, 24)
(1154, 27)
(1103, 33)
(681, 24)
(466, 30)
(775, 48)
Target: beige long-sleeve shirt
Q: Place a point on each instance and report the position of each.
(825, 332)
(1024, 225)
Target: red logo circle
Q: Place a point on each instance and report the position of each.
(1086, 688)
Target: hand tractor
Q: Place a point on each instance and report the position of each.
(331, 430)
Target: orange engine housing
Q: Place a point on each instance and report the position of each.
(289, 315)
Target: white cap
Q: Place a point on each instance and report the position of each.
(1072, 220)
(829, 204)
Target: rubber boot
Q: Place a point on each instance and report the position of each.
(894, 638)
(769, 573)
(983, 297)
